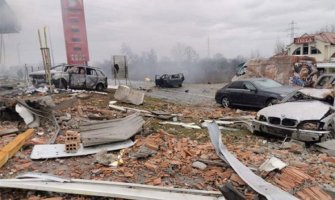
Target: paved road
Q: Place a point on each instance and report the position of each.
(192, 94)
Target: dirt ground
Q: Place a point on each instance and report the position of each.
(175, 149)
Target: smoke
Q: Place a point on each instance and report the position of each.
(8, 20)
(184, 59)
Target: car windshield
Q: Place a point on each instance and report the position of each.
(267, 83)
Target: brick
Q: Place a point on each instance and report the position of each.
(157, 181)
(151, 145)
(23, 166)
(150, 166)
(235, 178)
(71, 147)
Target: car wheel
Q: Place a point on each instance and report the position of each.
(100, 87)
(271, 102)
(225, 102)
(63, 84)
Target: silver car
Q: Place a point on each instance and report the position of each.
(305, 115)
(73, 77)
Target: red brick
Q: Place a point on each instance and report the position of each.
(150, 166)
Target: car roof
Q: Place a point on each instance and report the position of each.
(253, 79)
(66, 65)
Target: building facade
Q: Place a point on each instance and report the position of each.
(320, 46)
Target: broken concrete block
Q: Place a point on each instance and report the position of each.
(128, 95)
(143, 152)
(199, 165)
(272, 164)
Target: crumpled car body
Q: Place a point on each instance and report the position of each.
(173, 80)
(73, 77)
(305, 115)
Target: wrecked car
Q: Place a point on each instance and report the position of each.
(325, 81)
(73, 77)
(255, 92)
(306, 115)
(173, 80)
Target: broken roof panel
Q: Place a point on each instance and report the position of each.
(8, 22)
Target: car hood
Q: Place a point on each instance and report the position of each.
(317, 93)
(284, 90)
(300, 110)
(41, 72)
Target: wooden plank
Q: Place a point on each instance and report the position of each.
(11, 148)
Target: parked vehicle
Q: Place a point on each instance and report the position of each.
(173, 80)
(306, 115)
(325, 81)
(256, 92)
(73, 77)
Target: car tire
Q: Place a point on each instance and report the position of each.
(100, 87)
(225, 102)
(61, 84)
(271, 102)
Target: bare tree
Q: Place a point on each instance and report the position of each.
(280, 47)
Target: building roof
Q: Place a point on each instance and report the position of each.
(328, 37)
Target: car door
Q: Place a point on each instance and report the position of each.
(77, 78)
(91, 78)
(234, 92)
(249, 95)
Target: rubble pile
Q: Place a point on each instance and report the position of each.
(164, 154)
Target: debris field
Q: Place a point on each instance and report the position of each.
(163, 154)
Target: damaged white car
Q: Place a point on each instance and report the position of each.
(306, 115)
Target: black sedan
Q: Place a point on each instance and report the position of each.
(256, 92)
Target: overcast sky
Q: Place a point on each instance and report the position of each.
(235, 27)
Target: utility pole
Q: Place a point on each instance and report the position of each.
(292, 29)
(45, 56)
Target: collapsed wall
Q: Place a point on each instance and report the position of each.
(290, 70)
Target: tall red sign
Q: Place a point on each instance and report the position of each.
(75, 31)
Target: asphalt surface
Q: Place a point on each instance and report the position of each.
(188, 94)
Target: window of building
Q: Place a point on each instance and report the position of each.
(76, 48)
(74, 20)
(297, 51)
(314, 50)
(75, 30)
(75, 39)
(305, 49)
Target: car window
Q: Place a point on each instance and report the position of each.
(100, 73)
(267, 83)
(323, 81)
(236, 85)
(249, 86)
(91, 72)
